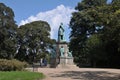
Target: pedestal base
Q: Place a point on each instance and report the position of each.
(66, 62)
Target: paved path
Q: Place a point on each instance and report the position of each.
(80, 74)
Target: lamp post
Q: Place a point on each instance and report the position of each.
(0, 22)
(33, 62)
(34, 57)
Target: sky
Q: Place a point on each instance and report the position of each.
(52, 11)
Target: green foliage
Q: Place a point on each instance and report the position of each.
(95, 33)
(7, 32)
(21, 75)
(24, 42)
(12, 65)
(33, 39)
(95, 50)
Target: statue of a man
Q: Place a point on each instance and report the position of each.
(61, 33)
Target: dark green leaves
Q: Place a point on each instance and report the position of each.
(95, 26)
(33, 39)
(7, 32)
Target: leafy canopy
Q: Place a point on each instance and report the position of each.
(95, 31)
(7, 32)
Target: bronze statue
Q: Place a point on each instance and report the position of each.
(61, 33)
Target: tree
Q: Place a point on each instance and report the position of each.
(83, 24)
(96, 22)
(7, 32)
(95, 51)
(112, 35)
(33, 40)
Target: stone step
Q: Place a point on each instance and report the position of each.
(66, 66)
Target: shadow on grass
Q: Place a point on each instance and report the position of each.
(88, 75)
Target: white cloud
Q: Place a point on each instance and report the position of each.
(54, 17)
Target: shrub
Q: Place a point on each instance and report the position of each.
(12, 65)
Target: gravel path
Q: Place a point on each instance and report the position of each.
(80, 74)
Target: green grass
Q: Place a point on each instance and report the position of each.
(21, 75)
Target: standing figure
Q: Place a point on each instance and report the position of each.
(61, 33)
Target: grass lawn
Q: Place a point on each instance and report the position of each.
(21, 75)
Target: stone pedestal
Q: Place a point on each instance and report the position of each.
(66, 62)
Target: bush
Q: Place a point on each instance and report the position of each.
(12, 65)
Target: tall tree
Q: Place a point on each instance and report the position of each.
(96, 17)
(111, 34)
(33, 40)
(7, 32)
(83, 24)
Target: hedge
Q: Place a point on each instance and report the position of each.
(12, 65)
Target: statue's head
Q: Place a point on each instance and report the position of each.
(61, 23)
